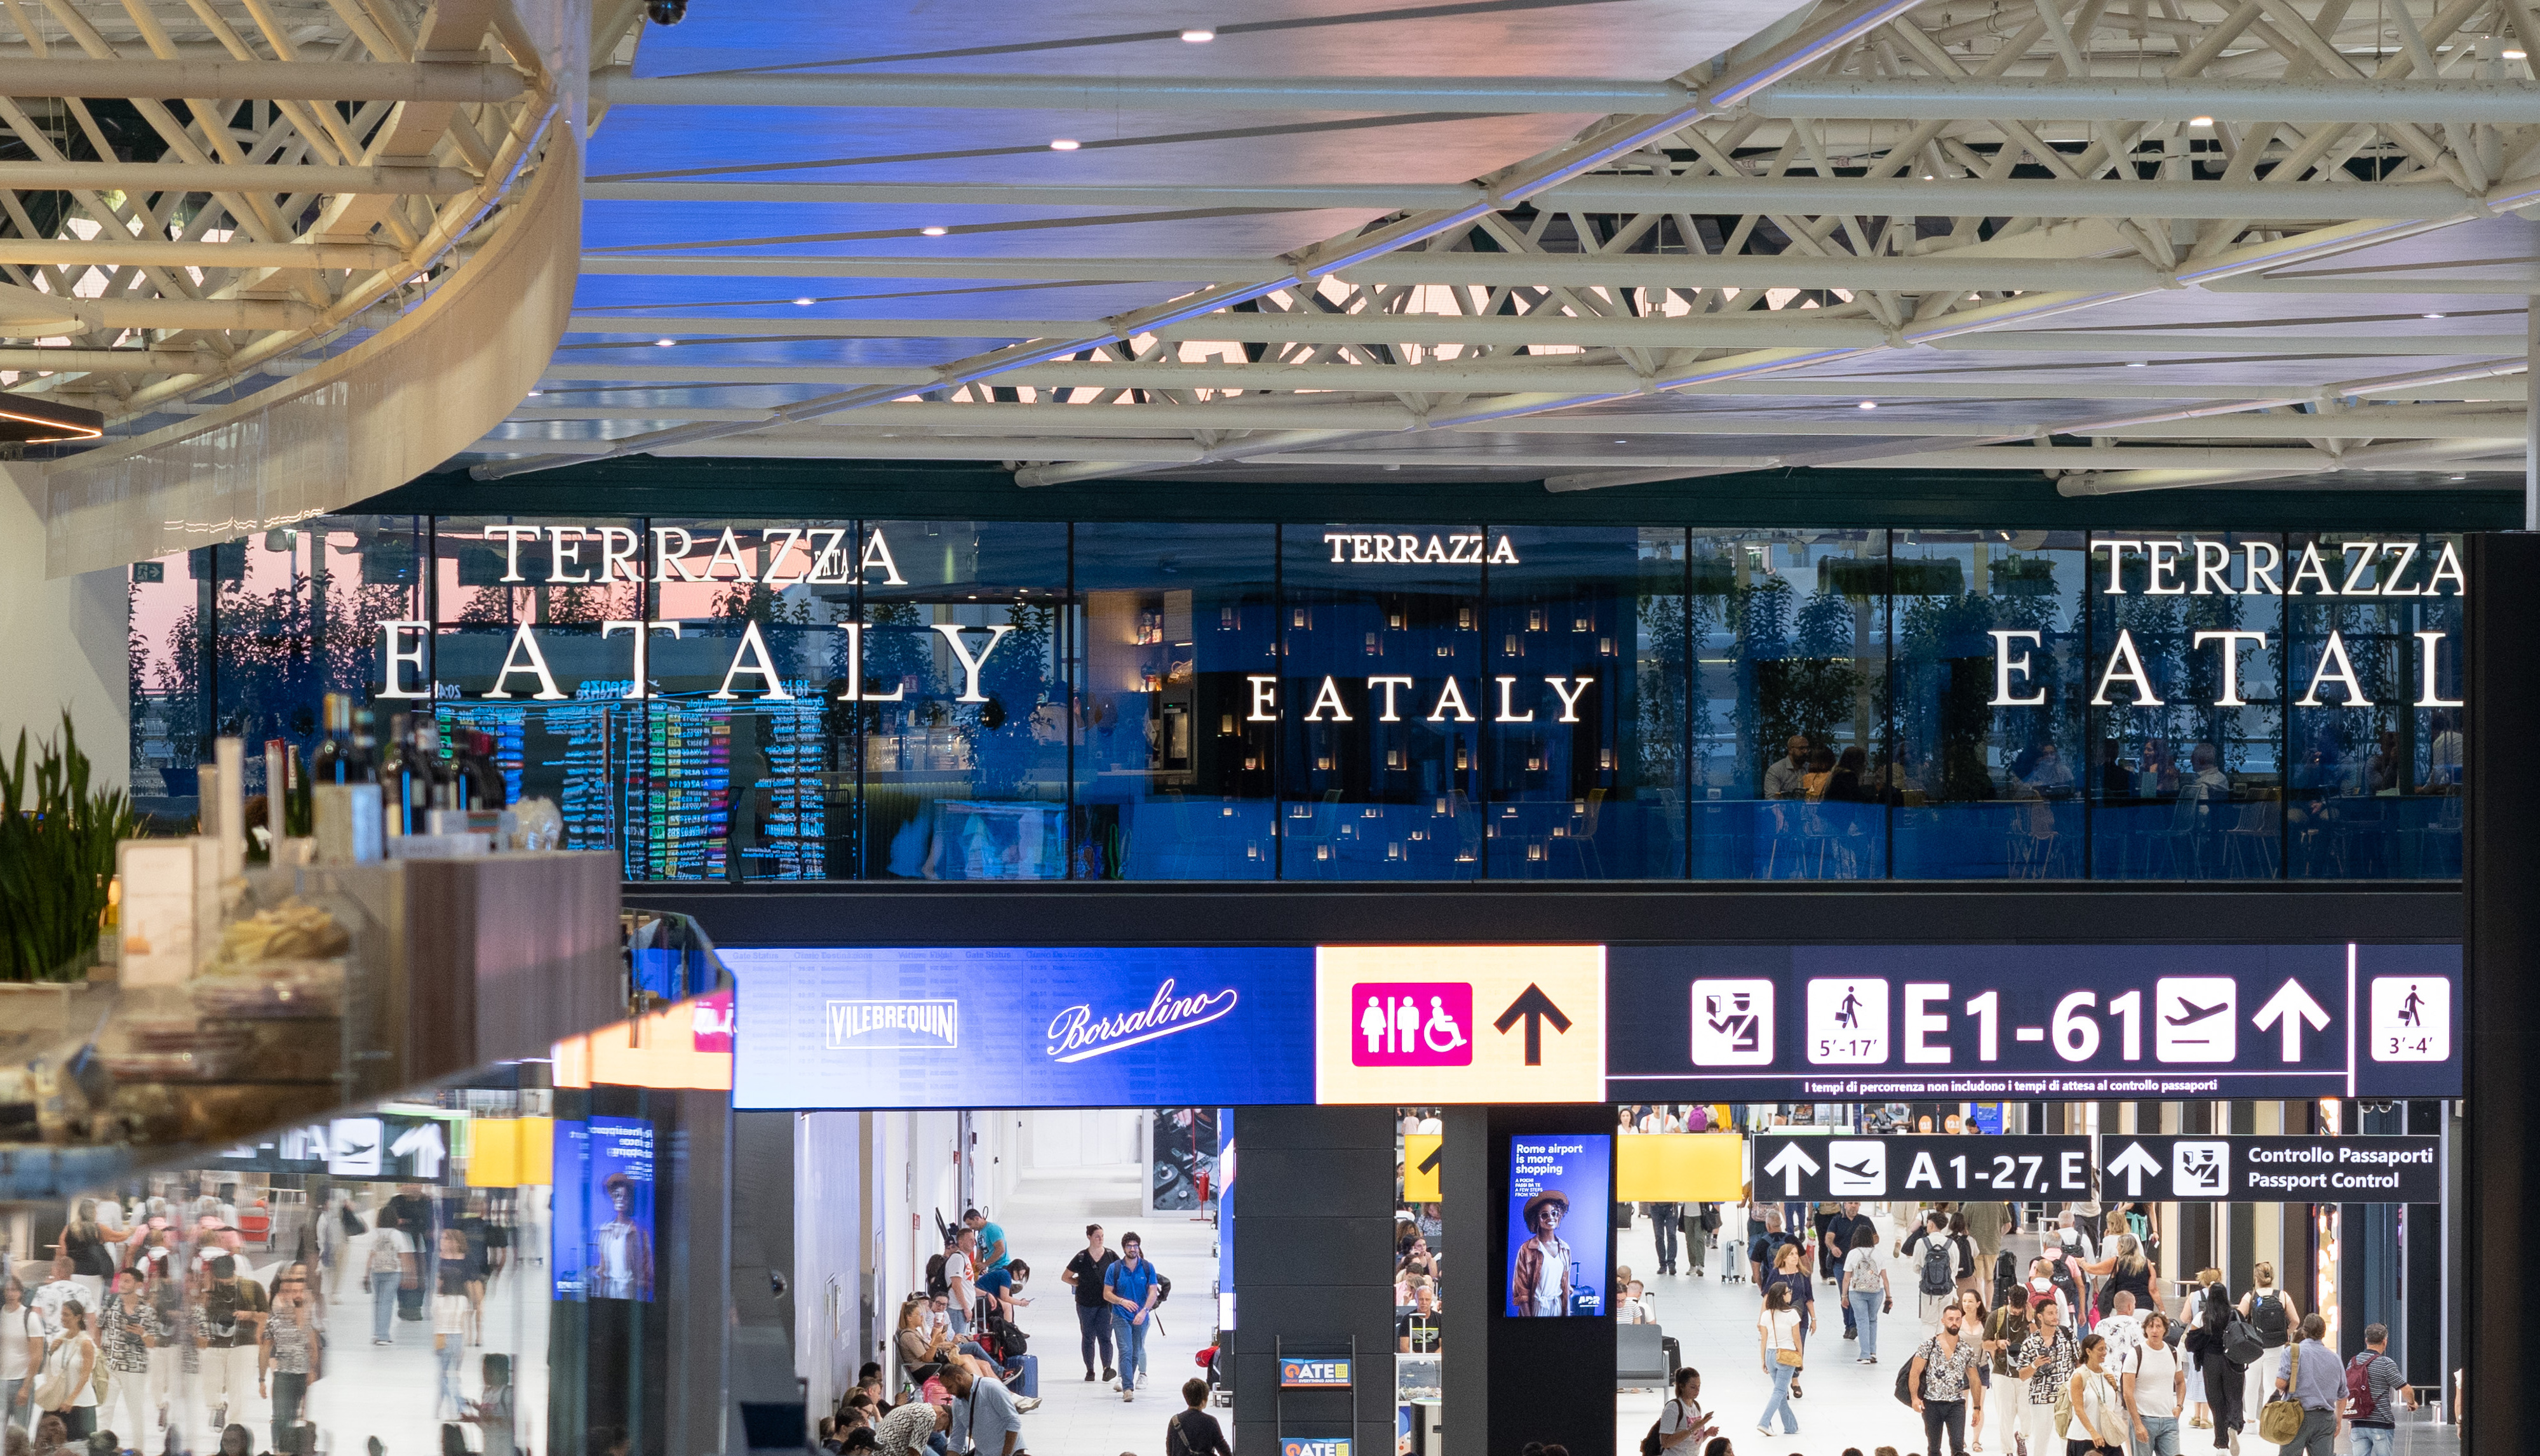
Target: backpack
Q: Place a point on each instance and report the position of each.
(1905, 1385)
(1012, 1340)
(353, 1225)
(2359, 1388)
(1864, 1278)
(1939, 1275)
(1698, 1118)
(1164, 1290)
(2005, 1278)
(2241, 1345)
(1649, 1443)
(2267, 1312)
(936, 1285)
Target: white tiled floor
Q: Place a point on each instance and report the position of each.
(1847, 1404)
(1045, 1223)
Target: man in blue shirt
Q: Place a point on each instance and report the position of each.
(2318, 1379)
(1130, 1287)
(993, 1252)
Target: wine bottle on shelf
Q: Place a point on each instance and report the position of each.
(436, 786)
(396, 749)
(298, 815)
(336, 745)
(487, 789)
(360, 762)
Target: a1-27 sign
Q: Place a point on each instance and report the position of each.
(1942, 1168)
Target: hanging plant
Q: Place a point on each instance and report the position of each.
(56, 856)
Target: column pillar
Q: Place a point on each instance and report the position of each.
(1313, 1264)
(2500, 860)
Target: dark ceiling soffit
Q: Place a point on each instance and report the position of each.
(1955, 913)
(935, 490)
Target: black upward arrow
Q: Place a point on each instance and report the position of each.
(1435, 1155)
(1537, 1009)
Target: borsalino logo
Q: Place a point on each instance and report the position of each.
(893, 1024)
(1075, 1034)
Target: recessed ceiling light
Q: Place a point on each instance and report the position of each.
(1200, 34)
(933, 232)
(1869, 404)
(2138, 363)
(2433, 316)
(2200, 121)
(2515, 55)
(802, 303)
(2460, 477)
(1065, 144)
(664, 343)
(534, 394)
(1619, 442)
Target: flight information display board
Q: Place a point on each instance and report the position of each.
(1980, 1022)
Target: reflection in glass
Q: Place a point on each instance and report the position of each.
(2186, 785)
(1172, 770)
(2376, 755)
(1987, 792)
(1787, 687)
(964, 711)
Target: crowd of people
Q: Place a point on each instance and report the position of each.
(146, 1329)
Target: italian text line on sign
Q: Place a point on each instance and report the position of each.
(1398, 1026)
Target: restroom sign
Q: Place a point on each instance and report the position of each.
(1415, 1025)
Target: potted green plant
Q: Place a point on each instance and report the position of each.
(57, 840)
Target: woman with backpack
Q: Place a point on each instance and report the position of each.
(1865, 1290)
(2270, 1311)
(2224, 1382)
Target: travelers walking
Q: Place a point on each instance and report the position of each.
(1936, 1282)
(1866, 1294)
(1084, 1274)
(1944, 1373)
(1836, 1246)
(1778, 1331)
(2374, 1391)
(2309, 1372)
(1662, 1234)
(2156, 1388)
(2225, 1377)
(1791, 1272)
(1682, 1424)
(2191, 1315)
(2005, 1331)
(1194, 1431)
(1131, 1286)
(2271, 1312)
(2045, 1361)
(2098, 1421)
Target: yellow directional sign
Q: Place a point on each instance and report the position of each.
(1421, 1162)
(1418, 1025)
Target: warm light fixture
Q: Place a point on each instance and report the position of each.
(2515, 55)
(534, 394)
(933, 232)
(1201, 34)
(2200, 121)
(2138, 363)
(1869, 404)
(1065, 144)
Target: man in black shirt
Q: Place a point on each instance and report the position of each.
(1415, 1332)
(1195, 1432)
(1836, 1245)
(1084, 1274)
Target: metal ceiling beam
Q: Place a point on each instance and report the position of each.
(152, 252)
(618, 86)
(1756, 328)
(158, 176)
(292, 81)
(1709, 196)
(1474, 269)
(2059, 99)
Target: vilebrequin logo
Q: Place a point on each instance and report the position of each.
(893, 1024)
(1077, 1034)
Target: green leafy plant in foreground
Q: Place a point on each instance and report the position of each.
(56, 856)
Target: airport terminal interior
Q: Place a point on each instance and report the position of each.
(1298, 727)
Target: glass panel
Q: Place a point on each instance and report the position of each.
(167, 621)
(495, 576)
(1382, 699)
(740, 776)
(966, 767)
(1585, 708)
(2376, 760)
(1985, 791)
(299, 614)
(1172, 769)
(1788, 692)
(2185, 786)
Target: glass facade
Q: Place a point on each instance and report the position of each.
(846, 699)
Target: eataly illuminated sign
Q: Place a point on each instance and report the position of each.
(2365, 569)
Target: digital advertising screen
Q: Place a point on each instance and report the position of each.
(572, 1183)
(1559, 1216)
(618, 1260)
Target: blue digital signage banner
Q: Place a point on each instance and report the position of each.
(1989, 1022)
(1023, 1028)
(1560, 1198)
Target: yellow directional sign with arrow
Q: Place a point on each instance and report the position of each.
(1418, 1025)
